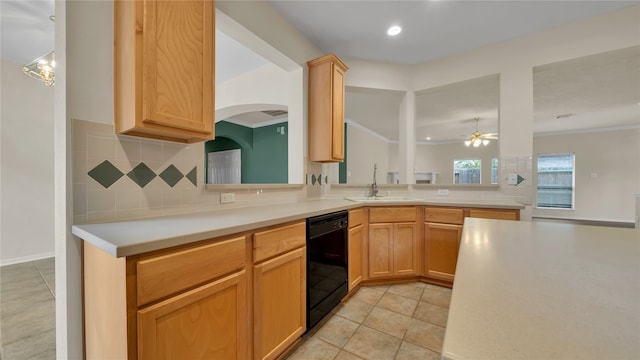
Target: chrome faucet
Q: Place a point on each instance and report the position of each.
(374, 186)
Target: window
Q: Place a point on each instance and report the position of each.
(494, 171)
(556, 181)
(466, 172)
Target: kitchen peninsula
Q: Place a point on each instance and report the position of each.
(231, 283)
(535, 290)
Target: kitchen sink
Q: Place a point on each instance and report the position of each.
(381, 198)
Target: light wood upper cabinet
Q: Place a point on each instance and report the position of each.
(164, 69)
(326, 109)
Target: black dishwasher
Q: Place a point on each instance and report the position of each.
(327, 268)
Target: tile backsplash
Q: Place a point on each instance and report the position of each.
(119, 177)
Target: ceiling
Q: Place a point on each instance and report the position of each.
(26, 30)
(600, 91)
(356, 29)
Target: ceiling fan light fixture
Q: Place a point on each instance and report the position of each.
(467, 142)
(485, 142)
(394, 30)
(477, 142)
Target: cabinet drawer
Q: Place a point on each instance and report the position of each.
(392, 214)
(168, 273)
(444, 215)
(276, 241)
(356, 217)
(495, 214)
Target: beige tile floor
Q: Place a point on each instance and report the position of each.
(403, 321)
(27, 310)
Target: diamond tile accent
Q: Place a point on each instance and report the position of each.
(141, 174)
(171, 175)
(105, 173)
(193, 176)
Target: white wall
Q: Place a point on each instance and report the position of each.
(514, 61)
(266, 85)
(440, 157)
(90, 60)
(607, 173)
(26, 229)
(365, 150)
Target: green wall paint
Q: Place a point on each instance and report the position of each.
(342, 167)
(264, 151)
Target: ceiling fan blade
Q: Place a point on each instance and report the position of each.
(488, 136)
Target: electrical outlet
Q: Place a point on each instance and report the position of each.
(443, 192)
(226, 198)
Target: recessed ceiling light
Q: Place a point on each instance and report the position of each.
(428, 138)
(394, 30)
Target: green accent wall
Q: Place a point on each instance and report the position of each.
(264, 151)
(342, 167)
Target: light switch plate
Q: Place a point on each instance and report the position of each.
(513, 179)
(226, 198)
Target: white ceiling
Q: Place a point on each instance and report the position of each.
(356, 29)
(26, 31)
(234, 59)
(601, 91)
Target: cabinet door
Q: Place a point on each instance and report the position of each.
(441, 250)
(326, 109)
(209, 322)
(164, 69)
(337, 128)
(355, 256)
(404, 249)
(279, 303)
(495, 214)
(380, 250)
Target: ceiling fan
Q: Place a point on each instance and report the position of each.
(477, 138)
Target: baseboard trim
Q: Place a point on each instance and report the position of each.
(591, 222)
(24, 259)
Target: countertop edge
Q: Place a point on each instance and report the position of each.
(99, 234)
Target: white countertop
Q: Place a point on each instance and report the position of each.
(125, 238)
(535, 290)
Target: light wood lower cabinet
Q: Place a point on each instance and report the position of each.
(209, 322)
(442, 242)
(279, 303)
(233, 297)
(392, 249)
(442, 236)
(497, 214)
(355, 256)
